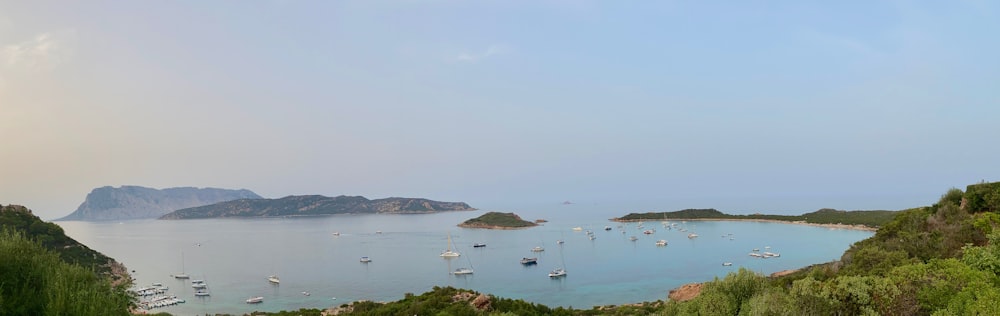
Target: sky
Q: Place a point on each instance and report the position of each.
(779, 106)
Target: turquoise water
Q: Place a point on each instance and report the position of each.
(235, 256)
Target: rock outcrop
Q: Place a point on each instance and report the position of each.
(136, 202)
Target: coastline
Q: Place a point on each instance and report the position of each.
(831, 226)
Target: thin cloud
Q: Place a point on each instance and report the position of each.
(491, 51)
(45, 51)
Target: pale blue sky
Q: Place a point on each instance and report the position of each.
(766, 106)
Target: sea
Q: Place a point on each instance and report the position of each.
(318, 258)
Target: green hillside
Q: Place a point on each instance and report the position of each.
(43, 272)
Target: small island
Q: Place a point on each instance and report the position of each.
(497, 220)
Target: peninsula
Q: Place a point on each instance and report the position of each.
(136, 202)
(308, 205)
(497, 220)
(865, 220)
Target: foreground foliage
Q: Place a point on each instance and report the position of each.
(36, 281)
(938, 260)
(52, 237)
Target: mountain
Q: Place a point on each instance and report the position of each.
(135, 202)
(296, 205)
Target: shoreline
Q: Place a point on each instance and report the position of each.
(831, 226)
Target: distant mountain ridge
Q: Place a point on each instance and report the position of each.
(301, 205)
(136, 202)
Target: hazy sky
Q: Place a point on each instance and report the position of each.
(787, 106)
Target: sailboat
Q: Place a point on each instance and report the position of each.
(463, 271)
(561, 271)
(182, 275)
(449, 253)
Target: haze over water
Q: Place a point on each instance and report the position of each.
(235, 256)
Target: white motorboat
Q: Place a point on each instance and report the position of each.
(661, 242)
(273, 279)
(558, 272)
(537, 249)
(255, 300)
(692, 235)
(461, 271)
(365, 259)
(726, 264)
(201, 293)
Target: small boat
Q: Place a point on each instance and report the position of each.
(461, 271)
(197, 281)
(560, 241)
(365, 259)
(448, 253)
(692, 235)
(157, 284)
(255, 300)
(754, 254)
(336, 233)
(528, 261)
(478, 245)
(648, 232)
(199, 285)
(273, 279)
(726, 264)
(201, 293)
(756, 249)
(378, 232)
(305, 293)
(537, 249)
(558, 272)
(607, 227)
(633, 238)
(661, 242)
(182, 275)
(578, 228)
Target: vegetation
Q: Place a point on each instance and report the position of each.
(36, 281)
(872, 219)
(938, 260)
(51, 237)
(497, 220)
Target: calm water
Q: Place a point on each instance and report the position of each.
(235, 256)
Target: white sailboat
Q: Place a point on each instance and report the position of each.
(182, 275)
(463, 271)
(449, 253)
(561, 271)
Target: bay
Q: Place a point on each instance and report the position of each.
(235, 256)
